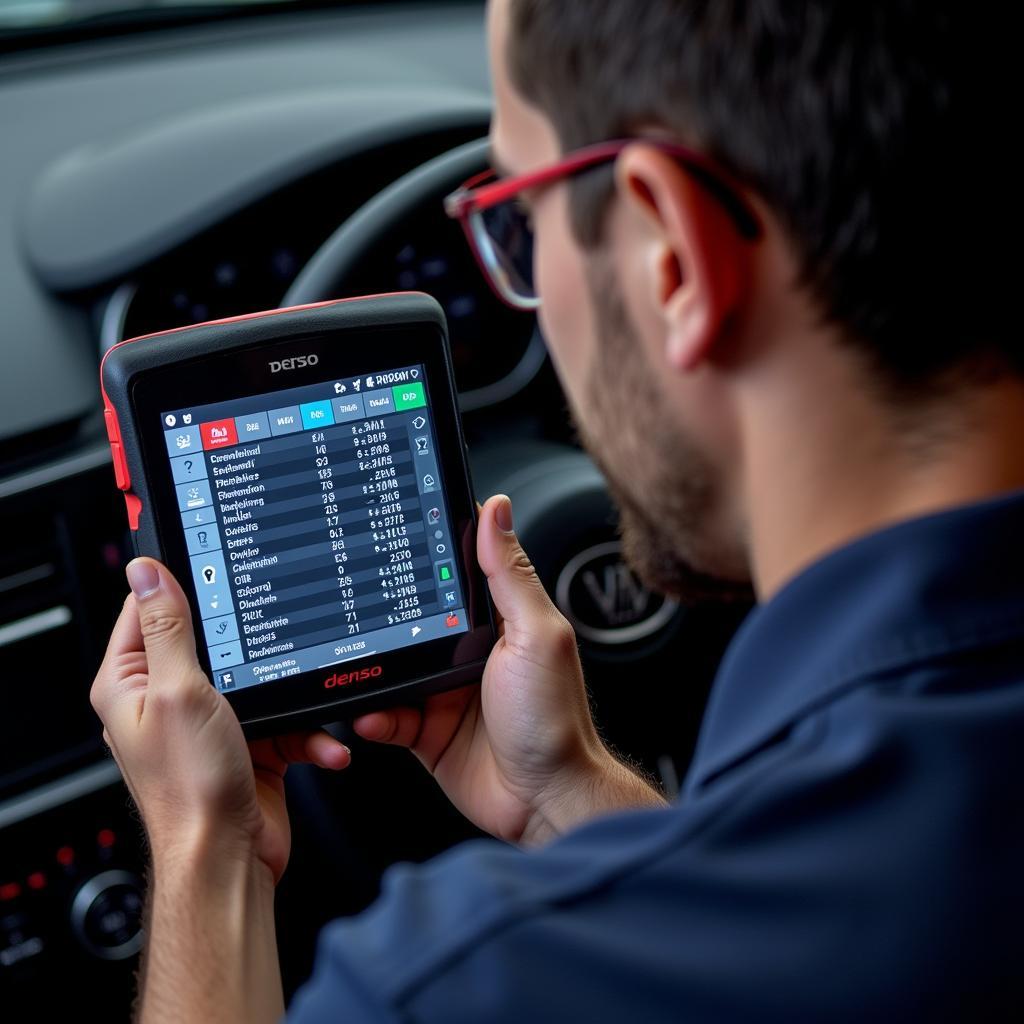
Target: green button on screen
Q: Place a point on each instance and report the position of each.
(409, 396)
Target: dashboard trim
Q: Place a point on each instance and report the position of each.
(34, 625)
(54, 472)
(62, 791)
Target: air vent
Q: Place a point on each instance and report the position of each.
(26, 580)
(44, 724)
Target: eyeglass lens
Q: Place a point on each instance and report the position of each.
(508, 228)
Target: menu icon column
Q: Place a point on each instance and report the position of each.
(202, 537)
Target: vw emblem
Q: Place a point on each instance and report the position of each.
(605, 602)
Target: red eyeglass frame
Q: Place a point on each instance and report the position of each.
(479, 194)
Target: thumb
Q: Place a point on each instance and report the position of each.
(165, 621)
(516, 590)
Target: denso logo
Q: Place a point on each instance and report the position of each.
(359, 676)
(277, 365)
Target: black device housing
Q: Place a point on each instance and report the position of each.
(228, 359)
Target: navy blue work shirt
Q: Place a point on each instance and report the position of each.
(849, 845)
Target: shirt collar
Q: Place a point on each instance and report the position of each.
(926, 587)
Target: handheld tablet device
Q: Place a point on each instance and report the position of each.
(302, 472)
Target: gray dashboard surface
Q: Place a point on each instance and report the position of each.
(102, 211)
(94, 95)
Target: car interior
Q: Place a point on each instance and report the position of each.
(166, 165)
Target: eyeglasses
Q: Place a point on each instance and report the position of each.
(498, 227)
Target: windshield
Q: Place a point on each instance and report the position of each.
(38, 17)
(61, 13)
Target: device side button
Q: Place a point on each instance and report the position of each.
(110, 419)
(120, 466)
(134, 507)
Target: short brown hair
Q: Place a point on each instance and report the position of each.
(859, 122)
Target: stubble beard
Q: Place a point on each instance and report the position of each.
(662, 486)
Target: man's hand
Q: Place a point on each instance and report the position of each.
(214, 811)
(519, 755)
(178, 743)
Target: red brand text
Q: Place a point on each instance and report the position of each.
(360, 675)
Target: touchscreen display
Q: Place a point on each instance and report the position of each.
(316, 524)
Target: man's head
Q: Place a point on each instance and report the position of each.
(687, 352)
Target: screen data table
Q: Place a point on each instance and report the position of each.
(316, 525)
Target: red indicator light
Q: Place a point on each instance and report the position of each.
(37, 880)
(10, 891)
(106, 838)
(65, 856)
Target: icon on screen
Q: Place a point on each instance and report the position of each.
(183, 441)
(226, 681)
(187, 418)
(419, 423)
(433, 515)
(428, 481)
(340, 389)
(440, 549)
(451, 620)
(222, 627)
(369, 382)
(357, 384)
(209, 574)
(203, 535)
(416, 630)
(170, 420)
(218, 432)
(194, 498)
(414, 374)
(449, 598)
(421, 446)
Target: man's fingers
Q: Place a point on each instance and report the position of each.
(499, 622)
(126, 636)
(517, 592)
(399, 727)
(317, 747)
(165, 622)
(122, 663)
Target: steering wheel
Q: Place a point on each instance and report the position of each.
(564, 517)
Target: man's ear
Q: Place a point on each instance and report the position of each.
(698, 264)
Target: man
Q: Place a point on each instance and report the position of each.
(788, 344)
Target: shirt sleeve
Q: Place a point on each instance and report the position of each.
(335, 992)
(813, 882)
